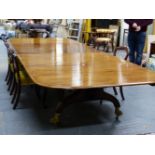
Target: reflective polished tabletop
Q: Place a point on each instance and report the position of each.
(68, 64)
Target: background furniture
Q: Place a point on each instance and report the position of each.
(149, 40)
(103, 23)
(125, 35)
(74, 29)
(105, 38)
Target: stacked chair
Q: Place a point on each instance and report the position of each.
(20, 79)
(16, 76)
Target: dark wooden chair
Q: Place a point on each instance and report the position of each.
(9, 77)
(21, 79)
(123, 49)
(17, 77)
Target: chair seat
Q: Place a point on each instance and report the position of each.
(11, 67)
(105, 31)
(10, 63)
(103, 39)
(24, 78)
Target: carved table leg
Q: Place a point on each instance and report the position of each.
(85, 95)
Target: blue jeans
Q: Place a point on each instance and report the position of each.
(136, 43)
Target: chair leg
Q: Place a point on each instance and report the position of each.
(7, 75)
(17, 97)
(12, 87)
(10, 82)
(121, 92)
(115, 90)
(9, 78)
(106, 47)
(112, 46)
(14, 95)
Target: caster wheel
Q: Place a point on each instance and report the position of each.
(55, 119)
(118, 113)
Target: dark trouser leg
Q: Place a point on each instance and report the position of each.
(132, 46)
(140, 46)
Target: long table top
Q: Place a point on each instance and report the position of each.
(68, 64)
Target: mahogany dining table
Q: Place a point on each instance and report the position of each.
(66, 64)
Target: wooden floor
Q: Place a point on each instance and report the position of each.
(83, 118)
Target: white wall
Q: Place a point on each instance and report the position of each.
(123, 26)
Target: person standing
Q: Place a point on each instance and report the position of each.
(136, 38)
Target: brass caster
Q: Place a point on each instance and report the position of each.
(118, 112)
(55, 119)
